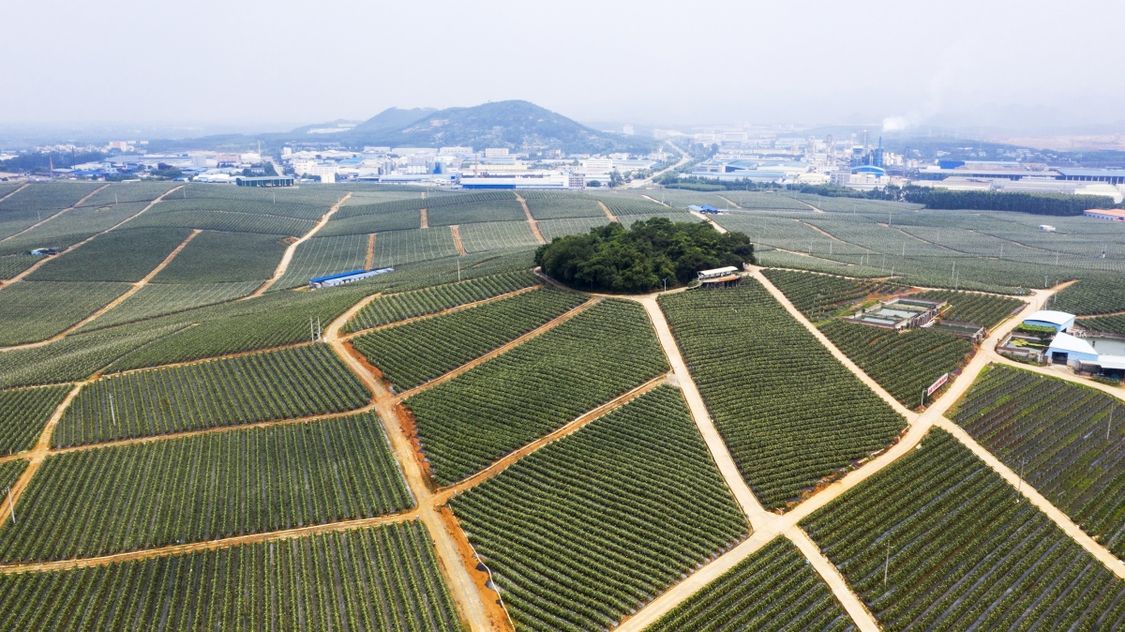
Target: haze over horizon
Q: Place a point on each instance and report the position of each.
(274, 65)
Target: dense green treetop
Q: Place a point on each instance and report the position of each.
(640, 258)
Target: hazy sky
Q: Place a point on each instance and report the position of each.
(282, 63)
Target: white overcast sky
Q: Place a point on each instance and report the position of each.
(284, 63)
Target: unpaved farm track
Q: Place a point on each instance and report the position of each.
(287, 256)
(530, 219)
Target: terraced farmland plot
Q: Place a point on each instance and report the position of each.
(214, 257)
(408, 246)
(393, 307)
(122, 255)
(76, 357)
(282, 384)
(763, 200)
(554, 228)
(555, 205)
(781, 232)
(979, 309)
(484, 236)
(964, 554)
(491, 206)
(324, 255)
(23, 413)
(228, 221)
(789, 412)
(9, 472)
(66, 230)
(47, 196)
(210, 486)
(421, 351)
(582, 532)
(820, 296)
(158, 299)
(33, 311)
(1054, 432)
(384, 578)
(11, 265)
(129, 192)
(773, 589)
(257, 203)
(903, 363)
(1093, 294)
(375, 221)
(278, 318)
(476, 418)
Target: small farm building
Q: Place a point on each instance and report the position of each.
(719, 277)
(1068, 349)
(1061, 321)
(342, 278)
(1109, 214)
(706, 209)
(264, 181)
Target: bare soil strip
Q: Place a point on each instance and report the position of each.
(369, 260)
(62, 212)
(854, 606)
(424, 218)
(126, 295)
(476, 606)
(652, 199)
(455, 230)
(608, 214)
(826, 233)
(451, 310)
(530, 219)
(814, 208)
(209, 545)
(38, 264)
(720, 229)
(445, 493)
(498, 351)
(287, 256)
(728, 201)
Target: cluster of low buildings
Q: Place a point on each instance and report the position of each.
(1067, 344)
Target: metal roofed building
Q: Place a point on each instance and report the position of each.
(341, 278)
(1112, 176)
(1061, 321)
(1109, 214)
(1068, 349)
(719, 277)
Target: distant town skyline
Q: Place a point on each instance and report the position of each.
(265, 66)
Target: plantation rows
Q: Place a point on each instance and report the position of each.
(819, 296)
(584, 531)
(9, 472)
(466, 208)
(421, 351)
(98, 502)
(227, 221)
(964, 554)
(46, 197)
(558, 205)
(394, 307)
(1054, 432)
(159, 299)
(478, 417)
(978, 309)
(320, 256)
(1105, 324)
(373, 219)
(483, 236)
(32, 311)
(773, 589)
(260, 203)
(69, 229)
(903, 363)
(399, 247)
(787, 410)
(122, 255)
(214, 257)
(282, 384)
(24, 413)
(365, 579)
(1093, 294)
(553, 228)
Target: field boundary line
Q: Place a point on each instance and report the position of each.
(751, 507)
(719, 229)
(608, 213)
(531, 221)
(208, 545)
(71, 248)
(498, 351)
(51, 217)
(287, 256)
(423, 218)
(652, 199)
(369, 258)
(455, 233)
(15, 191)
(836, 582)
(450, 310)
(467, 593)
(444, 494)
(1028, 491)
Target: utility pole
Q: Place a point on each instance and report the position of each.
(112, 410)
(312, 332)
(1019, 485)
(665, 284)
(458, 270)
(11, 505)
(1109, 422)
(319, 332)
(887, 566)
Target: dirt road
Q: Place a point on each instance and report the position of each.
(608, 214)
(51, 217)
(530, 219)
(455, 231)
(287, 256)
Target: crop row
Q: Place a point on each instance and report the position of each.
(23, 413)
(788, 411)
(214, 257)
(281, 384)
(903, 363)
(122, 255)
(36, 310)
(489, 206)
(960, 552)
(1061, 437)
(819, 296)
(476, 418)
(384, 578)
(205, 487)
(484, 236)
(394, 307)
(420, 351)
(1093, 294)
(773, 589)
(558, 205)
(1105, 324)
(979, 309)
(587, 529)
(398, 247)
(159, 299)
